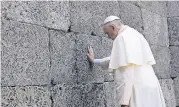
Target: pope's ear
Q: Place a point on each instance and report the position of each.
(112, 26)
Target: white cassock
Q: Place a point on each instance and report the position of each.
(131, 61)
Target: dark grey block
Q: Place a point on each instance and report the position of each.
(30, 96)
(158, 7)
(106, 48)
(168, 92)
(93, 95)
(173, 8)
(62, 50)
(174, 63)
(87, 16)
(155, 28)
(84, 95)
(53, 14)
(67, 95)
(173, 30)
(110, 94)
(176, 88)
(162, 57)
(41, 47)
(25, 54)
(90, 72)
(130, 15)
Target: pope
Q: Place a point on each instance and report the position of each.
(131, 62)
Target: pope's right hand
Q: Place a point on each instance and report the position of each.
(90, 54)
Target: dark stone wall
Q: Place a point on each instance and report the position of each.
(44, 46)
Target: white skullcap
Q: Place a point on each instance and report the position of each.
(110, 19)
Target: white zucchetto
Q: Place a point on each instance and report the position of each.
(110, 19)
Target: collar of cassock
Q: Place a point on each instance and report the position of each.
(123, 27)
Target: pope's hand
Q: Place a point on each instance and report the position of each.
(90, 54)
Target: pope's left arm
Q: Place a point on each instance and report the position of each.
(104, 62)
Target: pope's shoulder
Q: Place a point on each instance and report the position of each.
(130, 31)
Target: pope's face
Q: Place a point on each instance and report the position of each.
(109, 30)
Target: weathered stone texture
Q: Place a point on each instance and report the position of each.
(162, 57)
(110, 97)
(88, 16)
(176, 88)
(173, 30)
(25, 54)
(131, 15)
(158, 7)
(84, 95)
(155, 28)
(167, 87)
(106, 47)
(30, 96)
(88, 72)
(44, 50)
(173, 33)
(93, 95)
(66, 96)
(173, 8)
(53, 14)
(174, 63)
(62, 51)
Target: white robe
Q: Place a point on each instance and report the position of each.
(131, 61)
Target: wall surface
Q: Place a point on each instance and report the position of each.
(44, 46)
(173, 33)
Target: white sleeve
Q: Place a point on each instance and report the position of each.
(104, 62)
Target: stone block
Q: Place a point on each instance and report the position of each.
(30, 96)
(110, 91)
(162, 57)
(53, 14)
(25, 54)
(174, 63)
(158, 7)
(93, 95)
(90, 72)
(173, 30)
(66, 95)
(130, 15)
(173, 8)
(176, 88)
(106, 47)
(88, 16)
(155, 28)
(168, 92)
(62, 51)
(132, 2)
(84, 95)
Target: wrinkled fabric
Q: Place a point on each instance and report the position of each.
(130, 47)
(138, 86)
